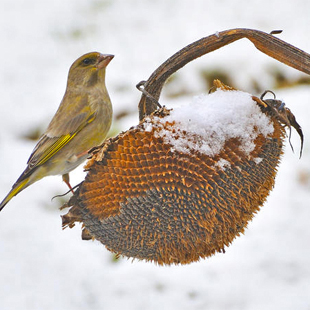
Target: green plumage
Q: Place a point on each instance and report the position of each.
(81, 122)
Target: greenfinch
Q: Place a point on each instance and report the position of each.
(81, 122)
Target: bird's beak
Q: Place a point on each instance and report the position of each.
(104, 60)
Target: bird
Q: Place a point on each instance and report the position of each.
(81, 122)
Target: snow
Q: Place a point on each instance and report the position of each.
(43, 267)
(258, 160)
(211, 120)
(223, 163)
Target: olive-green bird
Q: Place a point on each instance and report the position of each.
(81, 122)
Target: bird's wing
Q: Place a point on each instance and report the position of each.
(65, 125)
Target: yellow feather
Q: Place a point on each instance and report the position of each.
(14, 191)
(58, 145)
(61, 142)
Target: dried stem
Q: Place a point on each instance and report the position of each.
(266, 43)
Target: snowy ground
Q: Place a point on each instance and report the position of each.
(43, 267)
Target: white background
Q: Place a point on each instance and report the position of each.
(43, 267)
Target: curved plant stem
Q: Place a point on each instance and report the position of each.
(266, 43)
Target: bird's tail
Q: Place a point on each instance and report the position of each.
(17, 188)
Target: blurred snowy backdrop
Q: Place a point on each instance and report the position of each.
(43, 267)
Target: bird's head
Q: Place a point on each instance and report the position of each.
(89, 69)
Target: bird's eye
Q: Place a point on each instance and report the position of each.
(88, 61)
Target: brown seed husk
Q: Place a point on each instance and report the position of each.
(142, 200)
